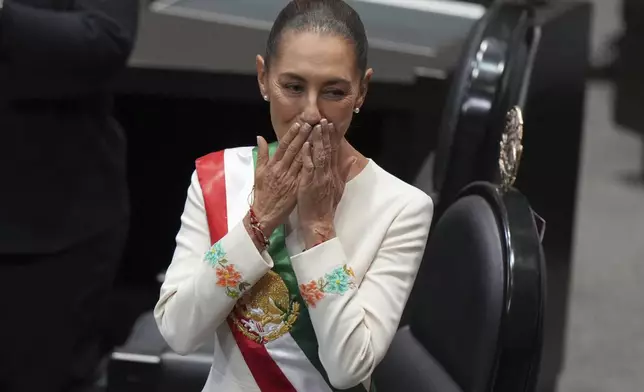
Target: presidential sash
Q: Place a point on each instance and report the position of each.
(270, 322)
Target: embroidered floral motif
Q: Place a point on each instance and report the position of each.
(227, 275)
(215, 254)
(338, 281)
(311, 293)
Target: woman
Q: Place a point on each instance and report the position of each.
(297, 258)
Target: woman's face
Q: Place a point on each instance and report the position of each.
(313, 76)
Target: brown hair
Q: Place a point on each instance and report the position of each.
(323, 16)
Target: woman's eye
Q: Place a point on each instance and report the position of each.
(336, 93)
(294, 88)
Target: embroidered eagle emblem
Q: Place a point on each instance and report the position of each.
(266, 311)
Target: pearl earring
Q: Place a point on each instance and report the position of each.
(266, 98)
(356, 110)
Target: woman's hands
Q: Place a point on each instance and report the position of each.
(306, 173)
(321, 184)
(276, 178)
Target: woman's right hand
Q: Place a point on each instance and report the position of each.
(276, 178)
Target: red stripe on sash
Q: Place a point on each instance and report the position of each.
(211, 175)
(267, 374)
(212, 178)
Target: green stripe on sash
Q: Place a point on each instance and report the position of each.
(302, 331)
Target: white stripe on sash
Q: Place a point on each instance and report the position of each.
(295, 365)
(240, 176)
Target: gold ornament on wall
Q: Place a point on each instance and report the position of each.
(511, 147)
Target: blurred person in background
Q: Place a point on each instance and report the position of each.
(625, 70)
(623, 54)
(63, 191)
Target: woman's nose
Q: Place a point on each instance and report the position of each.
(311, 113)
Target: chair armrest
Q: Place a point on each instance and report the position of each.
(136, 366)
(408, 360)
(185, 373)
(145, 339)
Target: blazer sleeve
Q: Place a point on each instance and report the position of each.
(203, 282)
(65, 53)
(355, 325)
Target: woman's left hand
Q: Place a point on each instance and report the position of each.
(322, 182)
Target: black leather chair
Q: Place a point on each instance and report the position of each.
(492, 76)
(478, 327)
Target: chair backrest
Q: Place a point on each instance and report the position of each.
(480, 292)
(489, 79)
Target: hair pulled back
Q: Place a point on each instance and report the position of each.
(333, 17)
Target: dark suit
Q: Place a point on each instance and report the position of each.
(63, 190)
(629, 78)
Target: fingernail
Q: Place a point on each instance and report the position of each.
(323, 121)
(297, 125)
(257, 140)
(306, 126)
